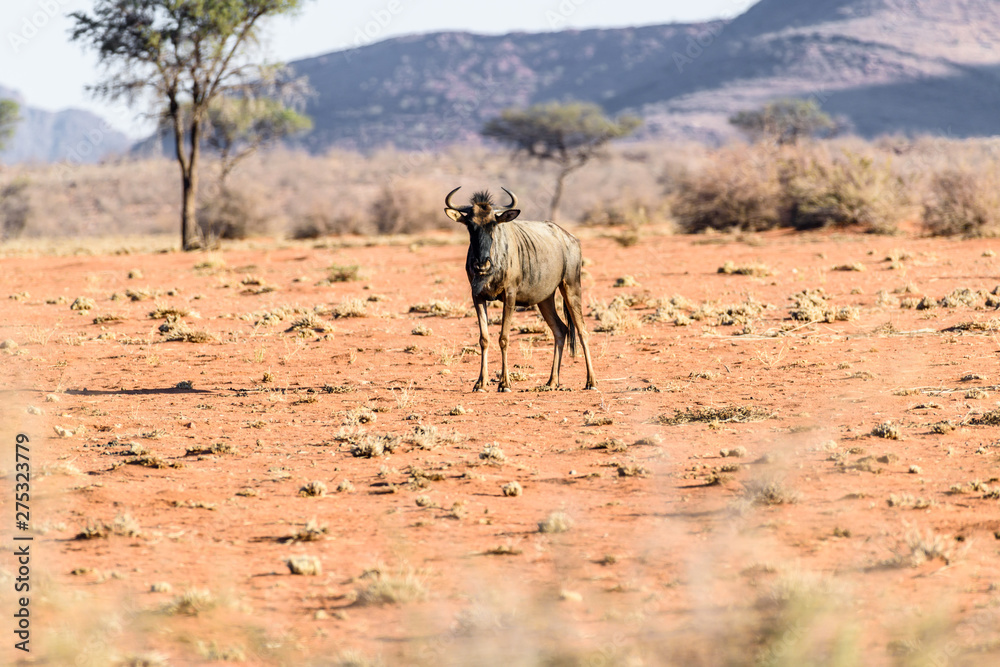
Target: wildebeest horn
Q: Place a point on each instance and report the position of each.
(447, 200)
(513, 198)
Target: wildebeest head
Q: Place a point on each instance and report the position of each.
(481, 218)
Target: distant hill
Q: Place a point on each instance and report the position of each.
(885, 66)
(71, 134)
(881, 66)
(429, 90)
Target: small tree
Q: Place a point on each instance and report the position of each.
(784, 121)
(569, 135)
(238, 126)
(9, 118)
(184, 53)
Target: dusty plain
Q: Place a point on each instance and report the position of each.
(854, 520)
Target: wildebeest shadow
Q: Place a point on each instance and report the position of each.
(135, 392)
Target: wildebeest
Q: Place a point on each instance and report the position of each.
(521, 263)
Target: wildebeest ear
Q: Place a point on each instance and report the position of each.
(508, 215)
(455, 215)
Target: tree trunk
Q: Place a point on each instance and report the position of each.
(193, 234)
(557, 193)
(189, 183)
(188, 212)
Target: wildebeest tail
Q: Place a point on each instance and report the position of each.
(572, 329)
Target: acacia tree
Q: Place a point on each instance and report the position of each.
(238, 126)
(186, 53)
(568, 135)
(785, 121)
(9, 118)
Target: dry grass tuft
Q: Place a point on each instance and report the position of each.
(163, 312)
(768, 492)
(123, 525)
(991, 418)
(350, 308)
(493, 455)
(633, 470)
(438, 308)
(217, 448)
(309, 322)
(512, 489)
(886, 430)
(919, 547)
(757, 270)
(372, 446)
(614, 317)
(304, 565)
(722, 415)
(343, 274)
(191, 603)
(178, 330)
(314, 489)
(381, 588)
(811, 305)
(556, 522)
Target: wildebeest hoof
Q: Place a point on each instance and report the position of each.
(504, 389)
(479, 387)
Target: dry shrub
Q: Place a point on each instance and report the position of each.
(737, 188)
(406, 207)
(327, 220)
(232, 214)
(963, 201)
(845, 189)
(630, 212)
(619, 211)
(14, 209)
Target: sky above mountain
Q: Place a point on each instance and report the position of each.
(38, 59)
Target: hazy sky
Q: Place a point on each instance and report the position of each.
(38, 60)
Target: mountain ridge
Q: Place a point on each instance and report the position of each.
(73, 135)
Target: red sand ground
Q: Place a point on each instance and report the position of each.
(673, 564)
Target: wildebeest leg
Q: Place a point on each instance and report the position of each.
(508, 314)
(484, 343)
(551, 316)
(574, 310)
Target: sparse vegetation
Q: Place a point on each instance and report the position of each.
(761, 403)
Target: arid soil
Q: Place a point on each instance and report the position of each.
(855, 519)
